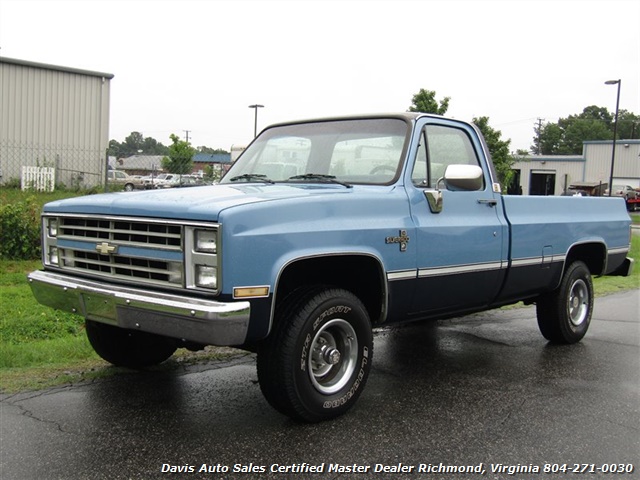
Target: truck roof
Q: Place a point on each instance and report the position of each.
(410, 116)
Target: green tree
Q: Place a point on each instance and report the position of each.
(180, 157)
(425, 101)
(136, 144)
(547, 139)
(499, 150)
(628, 125)
(210, 150)
(566, 137)
(133, 143)
(150, 146)
(114, 149)
(577, 130)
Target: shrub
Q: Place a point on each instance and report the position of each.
(13, 183)
(20, 230)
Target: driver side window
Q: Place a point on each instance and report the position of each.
(441, 146)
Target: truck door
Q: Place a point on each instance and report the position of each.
(461, 251)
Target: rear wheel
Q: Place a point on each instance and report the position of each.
(564, 314)
(316, 361)
(128, 348)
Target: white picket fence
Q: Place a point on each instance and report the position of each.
(42, 179)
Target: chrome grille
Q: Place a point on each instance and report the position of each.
(144, 250)
(123, 231)
(153, 271)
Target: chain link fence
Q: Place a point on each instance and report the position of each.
(73, 167)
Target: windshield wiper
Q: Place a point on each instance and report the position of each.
(252, 176)
(320, 177)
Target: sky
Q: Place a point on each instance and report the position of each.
(196, 65)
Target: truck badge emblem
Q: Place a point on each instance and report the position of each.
(105, 249)
(402, 239)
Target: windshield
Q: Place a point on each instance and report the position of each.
(346, 151)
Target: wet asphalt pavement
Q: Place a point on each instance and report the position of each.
(473, 392)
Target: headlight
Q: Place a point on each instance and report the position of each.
(205, 241)
(206, 276)
(201, 257)
(53, 256)
(52, 227)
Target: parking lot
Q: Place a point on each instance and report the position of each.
(483, 396)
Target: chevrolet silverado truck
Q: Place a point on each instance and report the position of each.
(322, 231)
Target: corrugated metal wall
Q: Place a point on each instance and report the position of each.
(53, 116)
(627, 161)
(594, 166)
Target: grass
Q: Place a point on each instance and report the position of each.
(14, 195)
(609, 285)
(41, 347)
(24, 320)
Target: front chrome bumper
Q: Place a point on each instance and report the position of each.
(193, 319)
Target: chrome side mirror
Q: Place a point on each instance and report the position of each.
(456, 177)
(463, 177)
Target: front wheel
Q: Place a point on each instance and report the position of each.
(128, 348)
(316, 361)
(564, 314)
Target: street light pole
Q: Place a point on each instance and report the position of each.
(255, 120)
(615, 132)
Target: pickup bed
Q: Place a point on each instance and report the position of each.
(321, 231)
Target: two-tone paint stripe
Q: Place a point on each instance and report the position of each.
(411, 274)
(537, 261)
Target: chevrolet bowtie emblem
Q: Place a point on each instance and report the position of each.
(105, 249)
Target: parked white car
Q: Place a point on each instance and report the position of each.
(179, 181)
(157, 181)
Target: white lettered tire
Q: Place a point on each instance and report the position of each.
(316, 361)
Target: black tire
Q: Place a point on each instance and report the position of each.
(128, 348)
(564, 314)
(128, 187)
(316, 361)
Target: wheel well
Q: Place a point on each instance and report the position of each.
(592, 254)
(360, 274)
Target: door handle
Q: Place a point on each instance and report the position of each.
(492, 202)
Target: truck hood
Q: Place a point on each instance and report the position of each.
(193, 203)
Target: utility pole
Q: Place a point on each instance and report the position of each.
(187, 134)
(540, 120)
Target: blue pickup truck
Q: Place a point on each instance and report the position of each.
(320, 232)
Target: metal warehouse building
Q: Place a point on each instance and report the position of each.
(551, 175)
(54, 117)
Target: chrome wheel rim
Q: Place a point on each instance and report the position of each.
(334, 352)
(578, 302)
